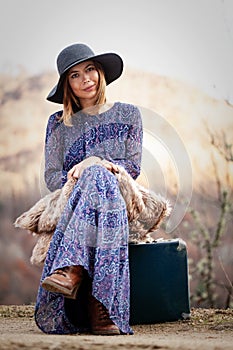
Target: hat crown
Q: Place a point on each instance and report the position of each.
(72, 55)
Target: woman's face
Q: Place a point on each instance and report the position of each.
(84, 79)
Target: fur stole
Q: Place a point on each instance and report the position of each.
(146, 210)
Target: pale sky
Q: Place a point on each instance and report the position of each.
(191, 40)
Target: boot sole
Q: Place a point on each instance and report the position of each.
(54, 288)
(106, 332)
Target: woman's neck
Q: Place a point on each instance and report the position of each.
(97, 109)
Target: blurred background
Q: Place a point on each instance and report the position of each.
(178, 64)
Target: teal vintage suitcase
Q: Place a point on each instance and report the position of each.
(159, 287)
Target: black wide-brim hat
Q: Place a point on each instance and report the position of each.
(111, 63)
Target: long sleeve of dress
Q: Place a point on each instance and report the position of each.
(54, 174)
(133, 146)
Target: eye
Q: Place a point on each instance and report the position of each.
(74, 75)
(90, 68)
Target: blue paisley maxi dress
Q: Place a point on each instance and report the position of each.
(93, 228)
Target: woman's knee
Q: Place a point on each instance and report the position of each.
(98, 170)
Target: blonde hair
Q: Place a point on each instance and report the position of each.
(71, 104)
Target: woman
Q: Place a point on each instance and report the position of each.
(85, 281)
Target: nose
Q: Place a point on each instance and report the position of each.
(86, 77)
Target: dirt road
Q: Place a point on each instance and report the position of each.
(206, 330)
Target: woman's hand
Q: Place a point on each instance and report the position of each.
(110, 166)
(74, 172)
(78, 169)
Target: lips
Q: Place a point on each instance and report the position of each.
(89, 88)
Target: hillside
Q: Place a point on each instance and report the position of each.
(24, 113)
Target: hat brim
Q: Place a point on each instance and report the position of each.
(112, 65)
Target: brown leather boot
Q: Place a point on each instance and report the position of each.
(65, 281)
(101, 324)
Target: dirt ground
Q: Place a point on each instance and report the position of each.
(208, 329)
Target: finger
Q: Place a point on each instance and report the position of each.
(115, 168)
(76, 174)
(106, 165)
(70, 173)
(112, 167)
